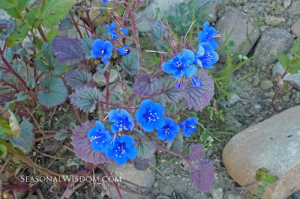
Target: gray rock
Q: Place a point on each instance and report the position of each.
(273, 41)
(287, 3)
(248, 151)
(62, 169)
(162, 197)
(100, 80)
(273, 21)
(211, 9)
(145, 3)
(242, 27)
(144, 179)
(294, 9)
(150, 14)
(239, 2)
(4, 15)
(233, 99)
(217, 193)
(296, 29)
(266, 85)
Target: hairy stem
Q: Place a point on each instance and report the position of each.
(76, 26)
(170, 151)
(42, 33)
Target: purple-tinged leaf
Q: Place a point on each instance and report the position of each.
(198, 98)
(171, 94)
(78, 78)
(145, 85)
(82, 145)
(201, 170)
(66, 49)
(86, 98)
(141, 163)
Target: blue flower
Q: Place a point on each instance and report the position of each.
(99, 137)
(105, 1)
(189, 126)
(103, 49)
(168, 131)
(122, 120)
(111, 30)
(181, 65)
(123, 51)
(196, 82)
(207, 35)
(206, 56)
(121, 149)
(149, 115)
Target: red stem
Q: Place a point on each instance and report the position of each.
(171, 152)
(107, 86)
(77, 115)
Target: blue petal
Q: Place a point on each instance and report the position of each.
(158, 109)
(96, 145)
(169, 67)
(100, 126)
(105, 60)
(178, 74)
(202, 37)
(196, 82)
(186, 133)
(120, 160)
(206, 27)
(147, 104)
(207, 47)
(95, 53)
(159, 123)
(139, 115)
(131, 153)
(109, 47)
(114, 116)
(110, 151)
(201, 51)
(170, 136)
(115, 128)
(192, 121)
(148, 127)
(93, 133)
(190, 70)
(175, 128)
(215, 56)
(98, 43)
(128, 140)
(125, 31)
(161, 134)
(189, 56)
(213, 43)
(105, 1)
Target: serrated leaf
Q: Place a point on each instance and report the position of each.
(171, 94)
(294, 70)
(116, 97)
(198, 98)
(7, 4)
(53, 11)
(86, 98)
(8, 55)
(66, 49)
(82, 145)
(31, 82)
(178, 142)
(271, 179)
(101, 68)
(201, 170)
(3, 151)
(61, 135)
(159, 32)
(261, 190)
(7, 31)
(284, 60)
(145, 85)
(53, 93)
(66, 24)
(295, 63)
(77, 78)
(131, 62)
(31, 16)
(87, 46)
(51, 34)
(145, 147)
(24, 141)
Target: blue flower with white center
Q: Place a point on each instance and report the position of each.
(99, 137)
(149, 115)
(102, 49)
(123, 51)
(189, 126)
(105, 1)
(111, 30)
(206, 56)
(121, 149)
(207, 35)
(168, 131)
(181, 65)
(122, 120)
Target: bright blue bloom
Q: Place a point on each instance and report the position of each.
(168, 131)
(196, 82)
(149, 115)
(123, 51)
(122, 120)
(206, 56)
(99, 137)
(105, 1)
(181, 64)
(189, 126)
(121, 149)
(207, 35)
(103, 49)
(111, 30)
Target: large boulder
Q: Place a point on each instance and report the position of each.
(242, 27)
(273, 41)
(273, 144)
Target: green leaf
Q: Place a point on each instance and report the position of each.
(87, 46)
(7, 54)
(145, 148)
(66, 24)
(131, 62)
(40, 112)
(261, 190)
(284, 60)
(53, 11)
(231, 43)
(3, 151)
(73, 162)
(1, 72)
(54, 92)
(296, 63)
(1, 130)
(7, 4)
(31, 16)
(115, 97)
(52, 34)
(294, 70)
(7, 31)
(21, 96)
(10, 124)
(24, 141)
(271, 179)
(17, 67)
(22, 4)
(61, 135)
(295, 51)
(101, 68)
(31, 82)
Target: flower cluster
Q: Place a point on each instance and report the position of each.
(184, 63)
(105, 49)
(149, 116)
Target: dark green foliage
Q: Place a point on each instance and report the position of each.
(262, 175)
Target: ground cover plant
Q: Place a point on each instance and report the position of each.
(116, 126)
